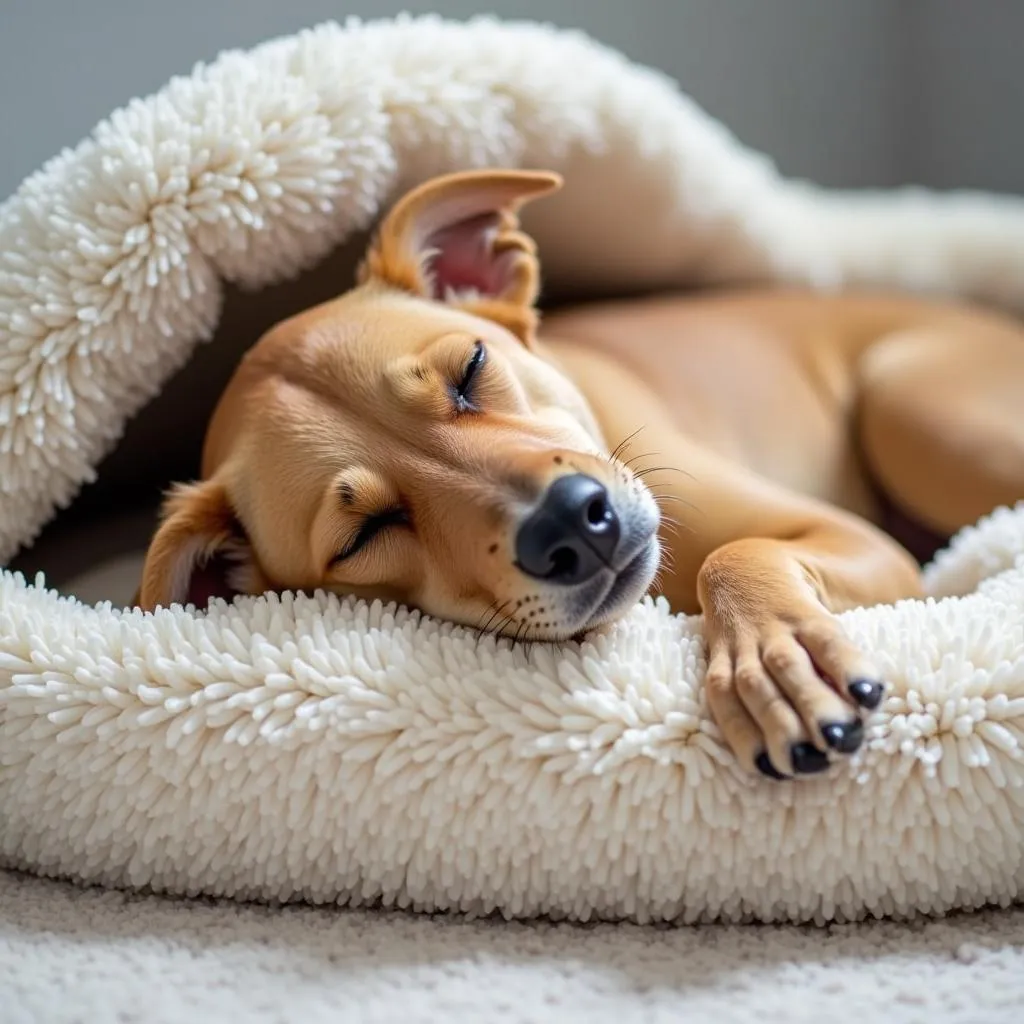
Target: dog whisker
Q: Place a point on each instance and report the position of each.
(673, 525)
(507, 621)
(677, 523)
(659, 498)
(519, 631)
(665, 563)
(498, 609)
(624, 444)
(634, 459)
(480, 618)
(646, 471)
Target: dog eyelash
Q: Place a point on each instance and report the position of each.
(464, 389)
(371, 527)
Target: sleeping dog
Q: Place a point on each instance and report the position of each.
(419, 440)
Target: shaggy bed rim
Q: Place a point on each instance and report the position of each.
(310, 748)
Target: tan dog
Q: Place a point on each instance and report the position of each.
(414, 440)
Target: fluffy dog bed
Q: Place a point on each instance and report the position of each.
(324, 750)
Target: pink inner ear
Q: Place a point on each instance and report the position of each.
(463, 259)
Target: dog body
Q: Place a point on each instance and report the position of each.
(858, 401)
(417, 439)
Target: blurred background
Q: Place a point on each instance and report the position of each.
(845, 92)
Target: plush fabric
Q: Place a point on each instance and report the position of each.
(291, 748)
(324, 750)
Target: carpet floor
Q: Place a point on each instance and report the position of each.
(71, 955)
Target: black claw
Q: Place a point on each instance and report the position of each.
(867, 693)
(765, 767)
(844, 737)
(808, 759)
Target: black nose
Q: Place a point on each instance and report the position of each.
(571, 535)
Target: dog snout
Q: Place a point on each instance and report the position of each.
(571, 535)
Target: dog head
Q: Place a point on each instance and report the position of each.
(410, 441)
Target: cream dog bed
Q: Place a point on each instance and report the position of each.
(324, 750)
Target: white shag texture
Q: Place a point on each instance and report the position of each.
(287, 749)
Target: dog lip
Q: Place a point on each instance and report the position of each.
(624, 578)
(628, 559)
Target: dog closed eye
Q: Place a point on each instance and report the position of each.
(464, 389)
(370, 529)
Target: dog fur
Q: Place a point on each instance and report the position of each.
(751, 444)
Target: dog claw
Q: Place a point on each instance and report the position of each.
(843, 737)
(765, 767)
(808, 759)
(867, 693)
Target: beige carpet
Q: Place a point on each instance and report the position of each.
(95, 957)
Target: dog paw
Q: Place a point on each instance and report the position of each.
(789, 692)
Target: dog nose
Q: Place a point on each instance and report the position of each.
(571, 535)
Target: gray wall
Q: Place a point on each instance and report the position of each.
(967, 84)
(845, 92)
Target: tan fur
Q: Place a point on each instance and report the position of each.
(762, 423)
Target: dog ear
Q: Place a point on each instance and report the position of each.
(199, 551)
(457, 239)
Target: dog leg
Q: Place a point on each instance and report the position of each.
(770, 570)
(941, 420)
